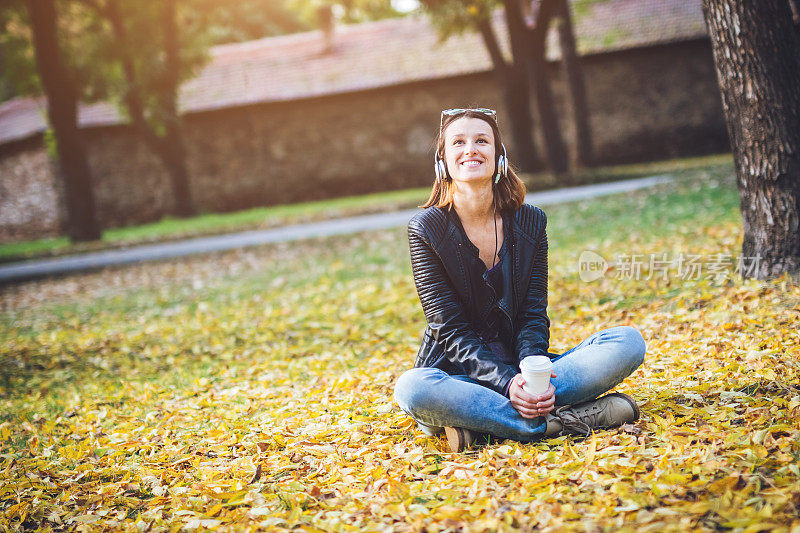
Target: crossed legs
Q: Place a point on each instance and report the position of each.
(435, 399)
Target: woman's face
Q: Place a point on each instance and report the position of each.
(469, 149)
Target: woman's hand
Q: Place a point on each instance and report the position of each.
(531, 405)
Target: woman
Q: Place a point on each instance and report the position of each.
(479, 257)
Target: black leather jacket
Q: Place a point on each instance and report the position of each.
(456, 300)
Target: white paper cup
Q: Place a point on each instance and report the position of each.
(536, 370)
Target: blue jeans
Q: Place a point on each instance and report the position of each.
(436, 399)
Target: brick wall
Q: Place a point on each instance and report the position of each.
(646, 104)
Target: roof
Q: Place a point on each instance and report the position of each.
(372, 55)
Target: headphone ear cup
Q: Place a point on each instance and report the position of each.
(502, 165)
(440, 169)
(502, 168)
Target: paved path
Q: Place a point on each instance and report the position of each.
(40, 268)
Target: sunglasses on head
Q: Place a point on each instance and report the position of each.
(491, 113)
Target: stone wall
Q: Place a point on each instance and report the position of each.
(646, 104)
(655, 103)
(30, 198)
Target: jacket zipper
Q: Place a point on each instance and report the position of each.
(513, 287)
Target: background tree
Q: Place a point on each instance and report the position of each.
(143, 52)
(7, 89)
(526, 73)
(528, 42)
(244, 20)
(217, 23)
(344, 11)
(157, 45)
(62, 111)
(757, 56)
(137, 55)
(582, 154)
(452, 17)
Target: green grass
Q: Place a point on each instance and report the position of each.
(696, 195)
(15, 251)
(270, 216)
(267, 217)
(215, 223)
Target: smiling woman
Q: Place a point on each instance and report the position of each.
(454, 130)
(479, 258)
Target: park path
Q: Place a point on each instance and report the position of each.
(40, 268)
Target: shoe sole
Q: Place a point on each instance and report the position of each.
(630, 401)
(456, 439)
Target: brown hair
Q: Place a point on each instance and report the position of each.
(509, 193)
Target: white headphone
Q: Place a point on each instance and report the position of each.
(440, 168)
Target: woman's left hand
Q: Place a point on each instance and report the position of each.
(531, 405)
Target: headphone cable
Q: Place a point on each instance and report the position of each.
(494, 201)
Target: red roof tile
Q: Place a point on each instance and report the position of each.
(372, 55)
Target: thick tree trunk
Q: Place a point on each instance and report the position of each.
(581, 154)
(62, 111)
(757, 55)
(529, 52)
(514, 84)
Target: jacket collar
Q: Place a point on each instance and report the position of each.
(456, 230)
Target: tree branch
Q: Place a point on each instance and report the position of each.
(133, 96)
(547, 9)
(492, 46)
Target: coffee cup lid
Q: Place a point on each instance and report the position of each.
(536, 363)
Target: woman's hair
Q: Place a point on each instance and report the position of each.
(509, 194)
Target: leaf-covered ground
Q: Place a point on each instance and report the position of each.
(253, 389)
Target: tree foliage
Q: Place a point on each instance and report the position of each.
(345, 11)
(454, 17)
(245, 20)
(17, 63)
(94, 56)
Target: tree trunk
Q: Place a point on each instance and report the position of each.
(581, 154)
(170, 148)
(62, 111)
(516, 91)
(530, 55)
(537, 67)
(174, 153)
(757, 56)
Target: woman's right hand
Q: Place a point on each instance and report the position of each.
(531, 405)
